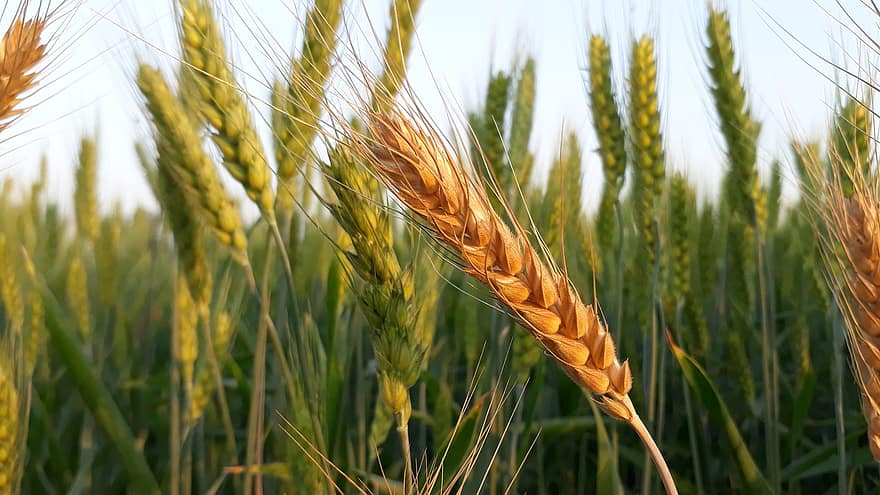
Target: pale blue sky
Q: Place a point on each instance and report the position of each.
(459, 40)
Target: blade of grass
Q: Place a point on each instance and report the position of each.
(707, 393)
(98, 399)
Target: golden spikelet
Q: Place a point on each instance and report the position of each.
(20, 52)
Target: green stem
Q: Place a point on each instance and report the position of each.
(768, 350)
(837, 363)
(691, 423)
(403, 432)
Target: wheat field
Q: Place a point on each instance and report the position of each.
(418, 305)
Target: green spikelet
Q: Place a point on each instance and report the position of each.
(521, 124)
(38, 188)
(106, 253)
(36, 334)
(188, 236)
(186, 320)
(562, 198)
(296, 107)
(222, 106)
(386, 291)
(191, 169)
(739, 129)
(397, 46)
(609, 132)
(10, 292)
(11, 427)
(203, 384)
(696, 319)
(492, 142)
(801, 342)
(851, 141)
(222, 334)
(201, 395)
(85, 200)
(681, 201)
(647, 141)
(78, 297)
(774, 196)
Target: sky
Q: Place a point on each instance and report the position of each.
(90, 88)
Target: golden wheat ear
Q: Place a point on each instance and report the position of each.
(417, 165)
(21, 50)
(846, 201)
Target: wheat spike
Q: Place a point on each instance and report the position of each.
(855, 270)
(428, 180)
(11, 447)
(222, 106)
(192, 169)
(10, 292)
(20, 52)
(420, 170)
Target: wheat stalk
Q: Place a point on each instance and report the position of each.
(414, 162)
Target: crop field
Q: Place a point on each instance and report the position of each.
(360, 296)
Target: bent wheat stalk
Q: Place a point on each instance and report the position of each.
(419, 168)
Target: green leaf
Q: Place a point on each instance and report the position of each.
(708, 395)
(801, 410)
(97, 398)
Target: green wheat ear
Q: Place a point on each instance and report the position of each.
(493, 121)
(85, 200)
(521, 161)
(12, 428)
(739, 129)
(609, 131)
(851, 141)
(561, 205)
(647, 142)
(10, 289)
(222, 107)
(296, 105)
(191, 168)
(397, 47)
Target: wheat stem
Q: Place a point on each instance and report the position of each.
(653, 452)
